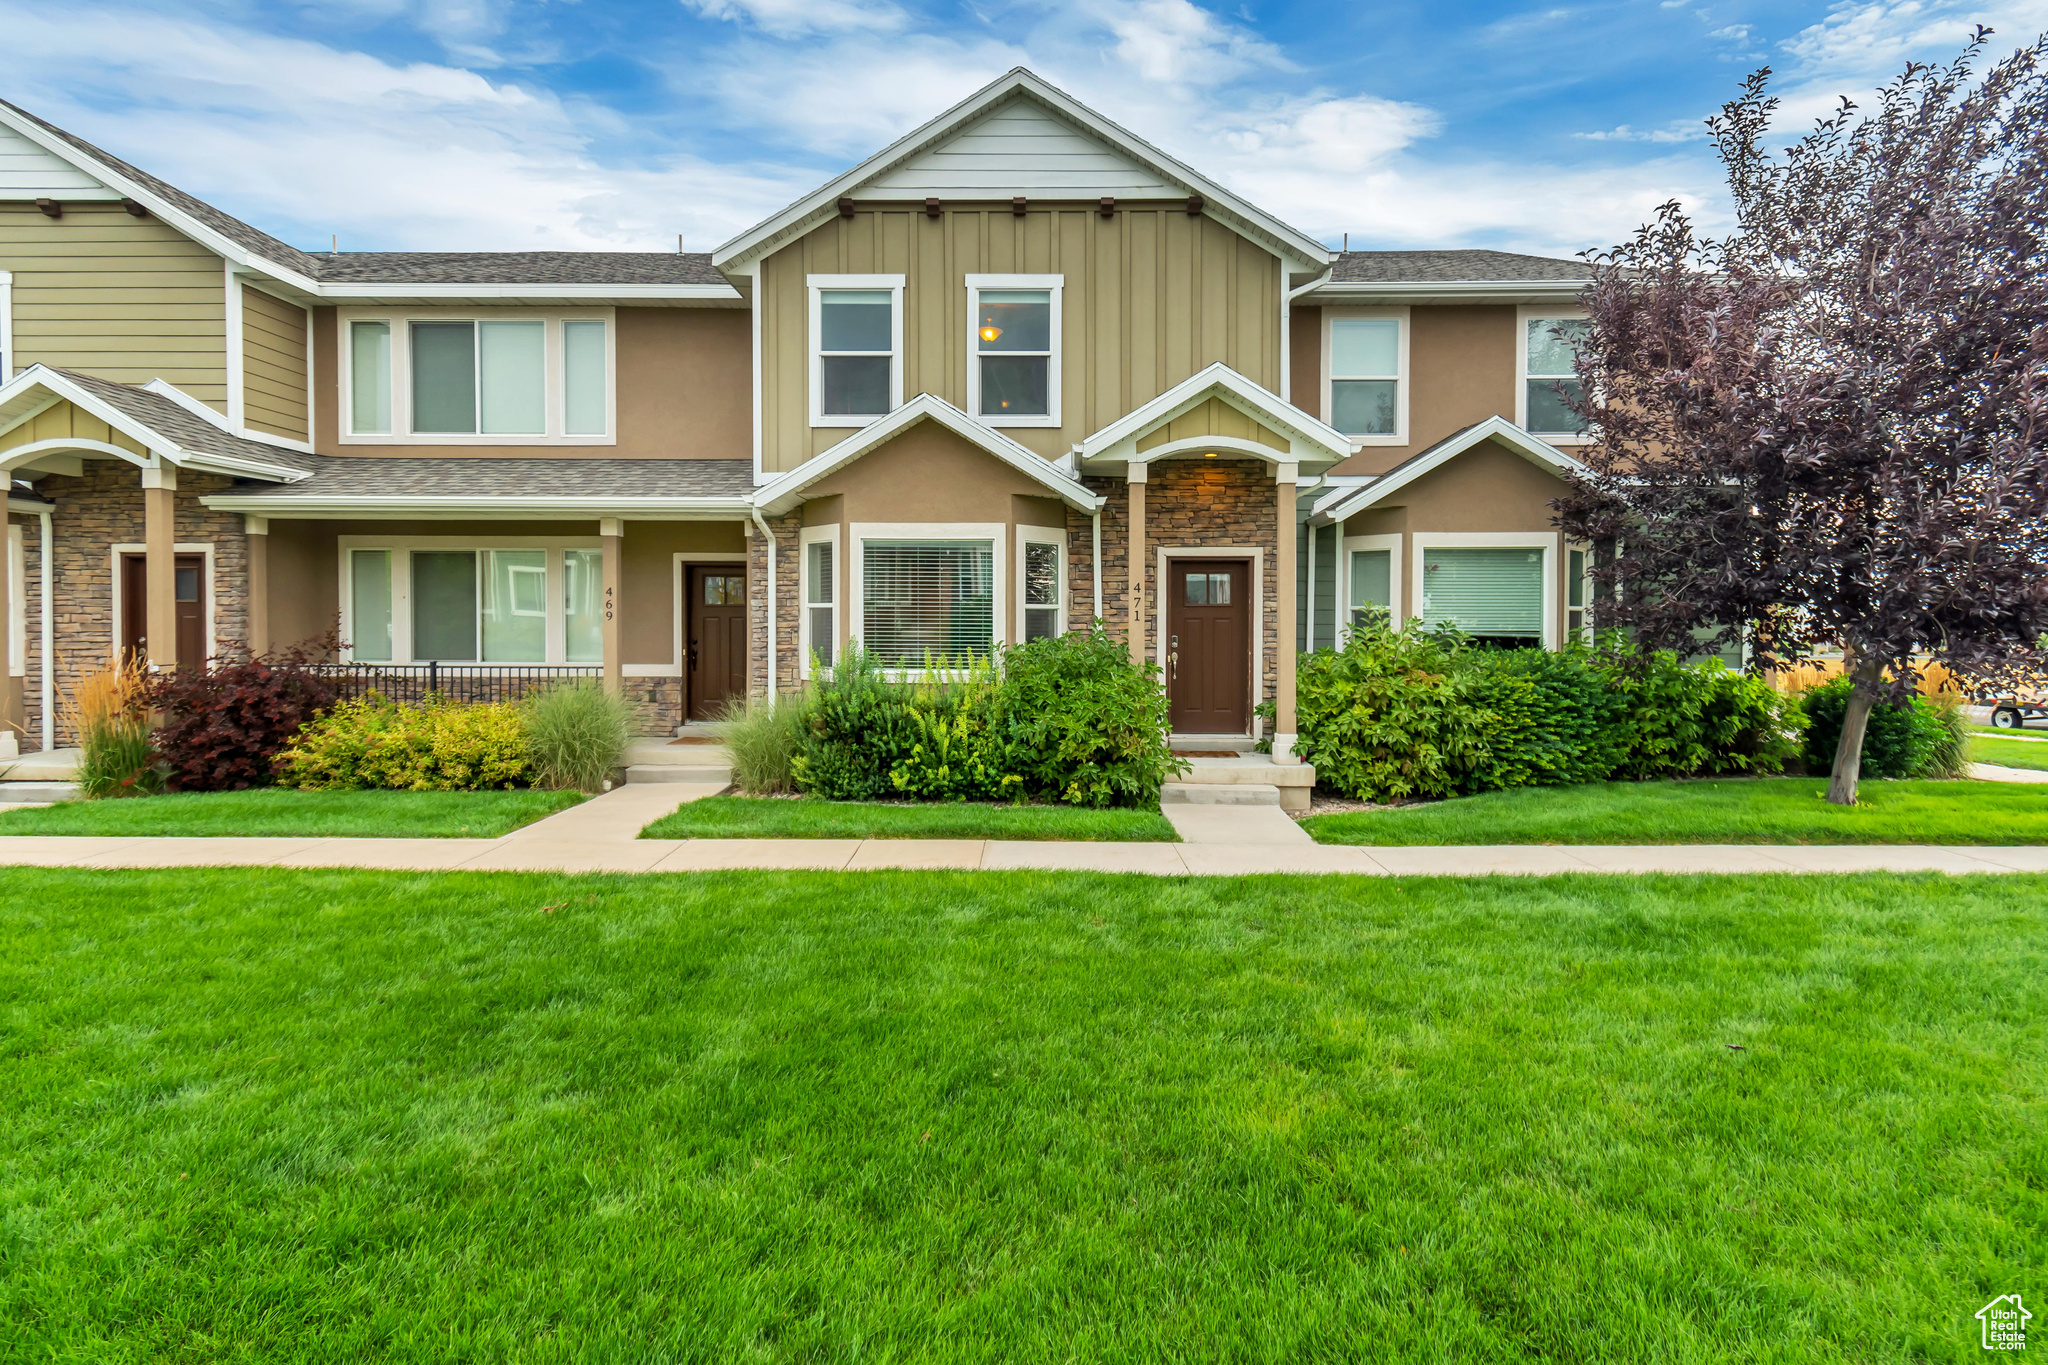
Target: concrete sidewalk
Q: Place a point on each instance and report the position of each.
(600, 836)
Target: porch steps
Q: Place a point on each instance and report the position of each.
(1249, 779)
(716, 774)
(660, 758)
(1219, 794)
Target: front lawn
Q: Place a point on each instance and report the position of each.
(1781, 810)
(341, 1116)
(284, 811)
(752, 817)
(2009, 753)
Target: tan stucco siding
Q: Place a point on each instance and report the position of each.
(64, 421)
(1213, 418)
(1149, 297)
(121, 297)
(684, 387)
(273, 364)
(648, 618)
(1461, 370)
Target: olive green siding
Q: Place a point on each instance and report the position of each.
(1150, 296)
(62, 421)
(120, 297)
(273, 365)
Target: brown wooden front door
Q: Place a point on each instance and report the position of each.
(1209, 646)
(189, 580)
(717, 633)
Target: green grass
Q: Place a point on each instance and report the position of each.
(748, 817)
(255, 1115)
(1784, 810)
(2009, 753)
(283, 811)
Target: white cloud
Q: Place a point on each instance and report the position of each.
(1734, 33)
(788, 18)
(1687, 130)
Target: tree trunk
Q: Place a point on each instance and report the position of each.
(1849, 752)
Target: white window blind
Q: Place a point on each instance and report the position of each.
(1365, 375)
(818, 589)
(370, 605)
(927, 599)
(583, 605)
(369, 369)
(1484, 591)
(1372, 585)
(1553, 350)
(583, 381)
(1041, 590)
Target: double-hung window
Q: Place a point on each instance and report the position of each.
(448, 603)
(1013, 368)
(1550, 345)
(856, 348)
(927, 602)
(1371, 588)
(821, 596)
(494, 380)
(1041, 582)
(1368, 367)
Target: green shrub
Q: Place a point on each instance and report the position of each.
(1905, 737)
(1951, 753)
(1558, 717)
(576, 736)
(1685, 720)
(856, 726)
(761, 738)
(1081, 723)
(374, 742)
(1391, 715)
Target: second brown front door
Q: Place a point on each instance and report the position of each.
(1209, 646)
(189, 582)
(716, 626)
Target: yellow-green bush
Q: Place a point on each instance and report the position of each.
(442, 746)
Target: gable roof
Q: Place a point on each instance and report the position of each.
(164, 426)
(1349, 502)
(785, 491)
(1021, 85)
(1438, 267)
(1310, 439)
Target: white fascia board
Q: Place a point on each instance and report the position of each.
(800, 216)
(543, 507)
(782, 492)
(1534, 449)
(1220, 381)
(1342, 486)
(373, 293)
(159, 445)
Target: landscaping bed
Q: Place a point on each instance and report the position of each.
(289, 812)
(1018, 1117)
(746, 817)
(1785, 810)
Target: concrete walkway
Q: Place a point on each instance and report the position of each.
(600, 836)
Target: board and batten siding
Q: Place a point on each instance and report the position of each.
(1150, 296)
(274, 340)
(125, 298)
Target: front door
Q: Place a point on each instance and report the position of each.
(717, 631)
(189, 584)
(1209, 646)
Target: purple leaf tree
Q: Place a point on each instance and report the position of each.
(1826, 429)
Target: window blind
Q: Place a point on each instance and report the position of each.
(927, 598)
(1484, 591)
(1372, 586)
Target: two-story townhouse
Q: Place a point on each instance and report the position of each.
(1016, 372)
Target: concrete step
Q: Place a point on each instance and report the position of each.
(1256, 769)
(718, 773)
(1219, 794)
(37, 793)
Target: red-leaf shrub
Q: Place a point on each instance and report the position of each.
(220, 725)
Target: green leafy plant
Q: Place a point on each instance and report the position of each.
(1684, 720)
(374, 742)
(108, 708)
(761, 739)
(1904, 737)
(1950, 756)
(1392, 715)
(856, 727)
(1080, 722)
(576, 735)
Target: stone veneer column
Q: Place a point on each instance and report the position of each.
(160, 553)
(1284, 477)
(612, 530)
(1134, 480)
(257, 529)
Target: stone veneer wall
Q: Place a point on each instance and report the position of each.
(788, 565)
(96, 511)
(1187, 502)
(658, 702)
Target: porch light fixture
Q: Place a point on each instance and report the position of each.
(1208, 454)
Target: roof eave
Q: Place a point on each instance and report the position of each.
(734, 507)
(1463, 291)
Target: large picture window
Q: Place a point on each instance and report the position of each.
(1550, 347)
(495, 380)
(1494, 593)
(426, 600)
(856, 348)
(1367, 373)
(927, 601)
(1013, 349)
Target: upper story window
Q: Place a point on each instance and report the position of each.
(856, 348)
(1013, 371)
(1549, 351)
(1367, 395)
(436, 379)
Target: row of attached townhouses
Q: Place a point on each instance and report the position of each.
(1015, 373)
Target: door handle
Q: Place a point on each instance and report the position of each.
(693, 656)
(1173, 664)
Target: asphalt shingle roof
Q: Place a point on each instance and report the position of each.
(1446, 267)
(492, 476)
(519, 267)
(191, 431)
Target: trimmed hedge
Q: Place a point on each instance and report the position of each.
(374, 742)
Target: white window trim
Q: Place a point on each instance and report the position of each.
(183, 547)
(861, 532)
(557, 653)
(817, 285)
(1546, 541)
(1392, 545)
(1565, 593)
(1042, 535)
(975, 284)
(552, 360)
(1158, 607)
(8, 367)
(806, 538)
(1524, 315)
(1401, 380)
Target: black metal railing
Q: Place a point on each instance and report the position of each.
(412, 684)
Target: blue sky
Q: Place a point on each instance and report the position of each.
(624, 124)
